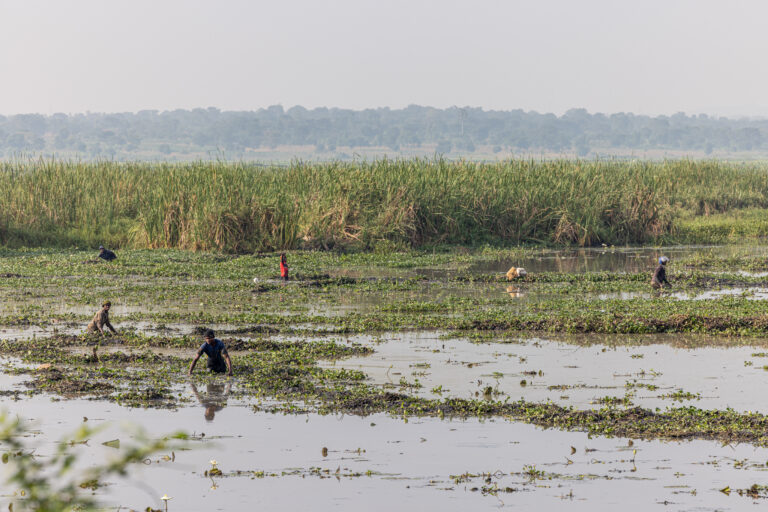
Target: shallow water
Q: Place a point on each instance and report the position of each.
(611, 259)
(568, 374)
(587, 259)
(752, 293)
(411, 464)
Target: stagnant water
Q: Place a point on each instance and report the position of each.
(610, 259)
(401, 466)
(650, 369)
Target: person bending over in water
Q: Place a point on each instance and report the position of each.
(101, 320)
(659, 279)
(283, 267)
(106, 254)
(218, 357)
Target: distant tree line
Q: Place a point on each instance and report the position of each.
(455, 129)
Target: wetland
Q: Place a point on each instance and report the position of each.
(414, 378)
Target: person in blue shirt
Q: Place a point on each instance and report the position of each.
(218, 357)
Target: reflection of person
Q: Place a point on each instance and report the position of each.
(218, 357)
(514, 292)
(101, 320)
(283, 267)
(214, 400)
(659, 279)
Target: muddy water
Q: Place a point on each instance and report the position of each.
(410, 464)
(569, 374)
(755, 293)
(74, 328)
(619, 259)
(589, 259)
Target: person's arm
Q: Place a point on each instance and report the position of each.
(194, 362)
(110, 327)
(229, 362)
(195, 392)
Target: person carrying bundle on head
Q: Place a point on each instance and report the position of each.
(659, 279)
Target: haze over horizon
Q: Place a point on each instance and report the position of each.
(654, 58)
(729, 113)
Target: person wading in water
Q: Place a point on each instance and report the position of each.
(218, 357)
(101, 320)
(106, 254)
(283, 266)
(659, 279)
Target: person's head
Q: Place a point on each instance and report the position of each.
(210, 412)
(106, 305)
(209, 336)
(663, 260)
(282, 256)
(101, 247)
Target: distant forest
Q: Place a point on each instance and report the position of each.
(199, 132)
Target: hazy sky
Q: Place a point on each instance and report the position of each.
(644, 56)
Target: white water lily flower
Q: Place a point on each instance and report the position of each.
(165, 497)
(213, 462)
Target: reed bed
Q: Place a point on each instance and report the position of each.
(239, 207)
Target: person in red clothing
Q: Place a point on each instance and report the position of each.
(283, 267)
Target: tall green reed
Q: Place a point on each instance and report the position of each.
(238, 207)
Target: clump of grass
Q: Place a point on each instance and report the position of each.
(732, 226)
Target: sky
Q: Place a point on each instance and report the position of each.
(648, 57)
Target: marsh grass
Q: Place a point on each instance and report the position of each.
(390, 204)
(728, 227)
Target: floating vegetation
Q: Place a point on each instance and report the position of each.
(680, 395)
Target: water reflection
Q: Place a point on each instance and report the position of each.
(424, 464)
(214, 399)
(647, 369)
(618, 259)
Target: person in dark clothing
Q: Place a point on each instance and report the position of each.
(218, 357)
(106, 254)
(659, 279)
(283, 267)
